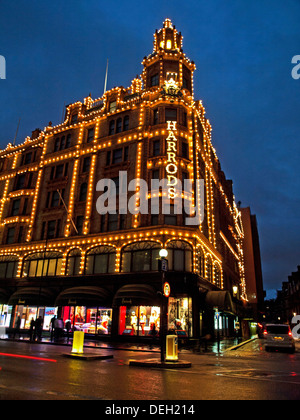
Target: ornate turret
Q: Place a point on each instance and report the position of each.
(168, 62)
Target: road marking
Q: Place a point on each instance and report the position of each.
(21, 356)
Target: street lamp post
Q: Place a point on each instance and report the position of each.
(163, 262)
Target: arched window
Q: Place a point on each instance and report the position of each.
(83, 192)
(8, 266)
(209, 269)
(100, 260)
(201, 262)
(140, 256)
(180, 256)
(43, 264)
(217, 275)
(73, 262)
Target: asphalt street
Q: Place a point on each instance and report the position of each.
(41, 372)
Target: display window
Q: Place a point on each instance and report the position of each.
(5, 315)
(139, 320)
(88, 320)
(29, 313)
(180, 317)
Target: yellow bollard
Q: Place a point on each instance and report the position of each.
(78, 341)
(172, 348)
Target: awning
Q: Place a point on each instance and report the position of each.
(221, 300)
(136, 294)
(32, 296)
(84, 296)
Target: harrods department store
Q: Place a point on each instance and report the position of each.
(60, 256)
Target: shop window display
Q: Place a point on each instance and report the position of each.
(180, 316)
(29, 313)
(139, 320)
(88, 320)
(5, 315)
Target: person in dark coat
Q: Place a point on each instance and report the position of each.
(17, 327)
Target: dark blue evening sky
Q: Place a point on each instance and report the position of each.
(56, 53)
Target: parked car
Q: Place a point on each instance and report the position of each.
(279, 336)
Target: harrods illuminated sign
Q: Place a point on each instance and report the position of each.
(171, 168)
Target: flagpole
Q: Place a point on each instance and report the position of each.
(106, 74)
(63, 201)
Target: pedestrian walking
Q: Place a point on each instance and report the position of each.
(17, 327)
(52, 328)
(39, 328)
(31, 330)
(68, 326)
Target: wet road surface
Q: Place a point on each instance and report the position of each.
(247, 373)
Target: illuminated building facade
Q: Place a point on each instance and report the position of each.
(60, 256)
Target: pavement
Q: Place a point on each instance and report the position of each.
(195, 346)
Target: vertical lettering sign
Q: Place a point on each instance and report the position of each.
(171, 168)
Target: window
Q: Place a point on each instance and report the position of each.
(140, 256)
(126, 123)
(8, 267)
(217, 276)
(171, 218)
(50, 229)
(20, 183)
(201, 262)
(155, 174)
(57, 144)
(68, 141)
(156, 148)
(55, 200)
(126, 151)
(119, 125)
(170, 114)
(112, 106)
(185, 83)
(112, 222)
(73, 262)
(185, 150)
(179, 256)
(111, 128)
(86, 164)
(90, 135)
(27, 158)
(83, 192)
(79, 224)
(15, 207)
(74, 119)
(25, 206)
(43, 264)
(155, 80)
(209, 269)
(169, 44)
(59, 171)
(100, 260)
(62, 143)
(155, 117)
(20, 235)
(117, 156)
(10, 238)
